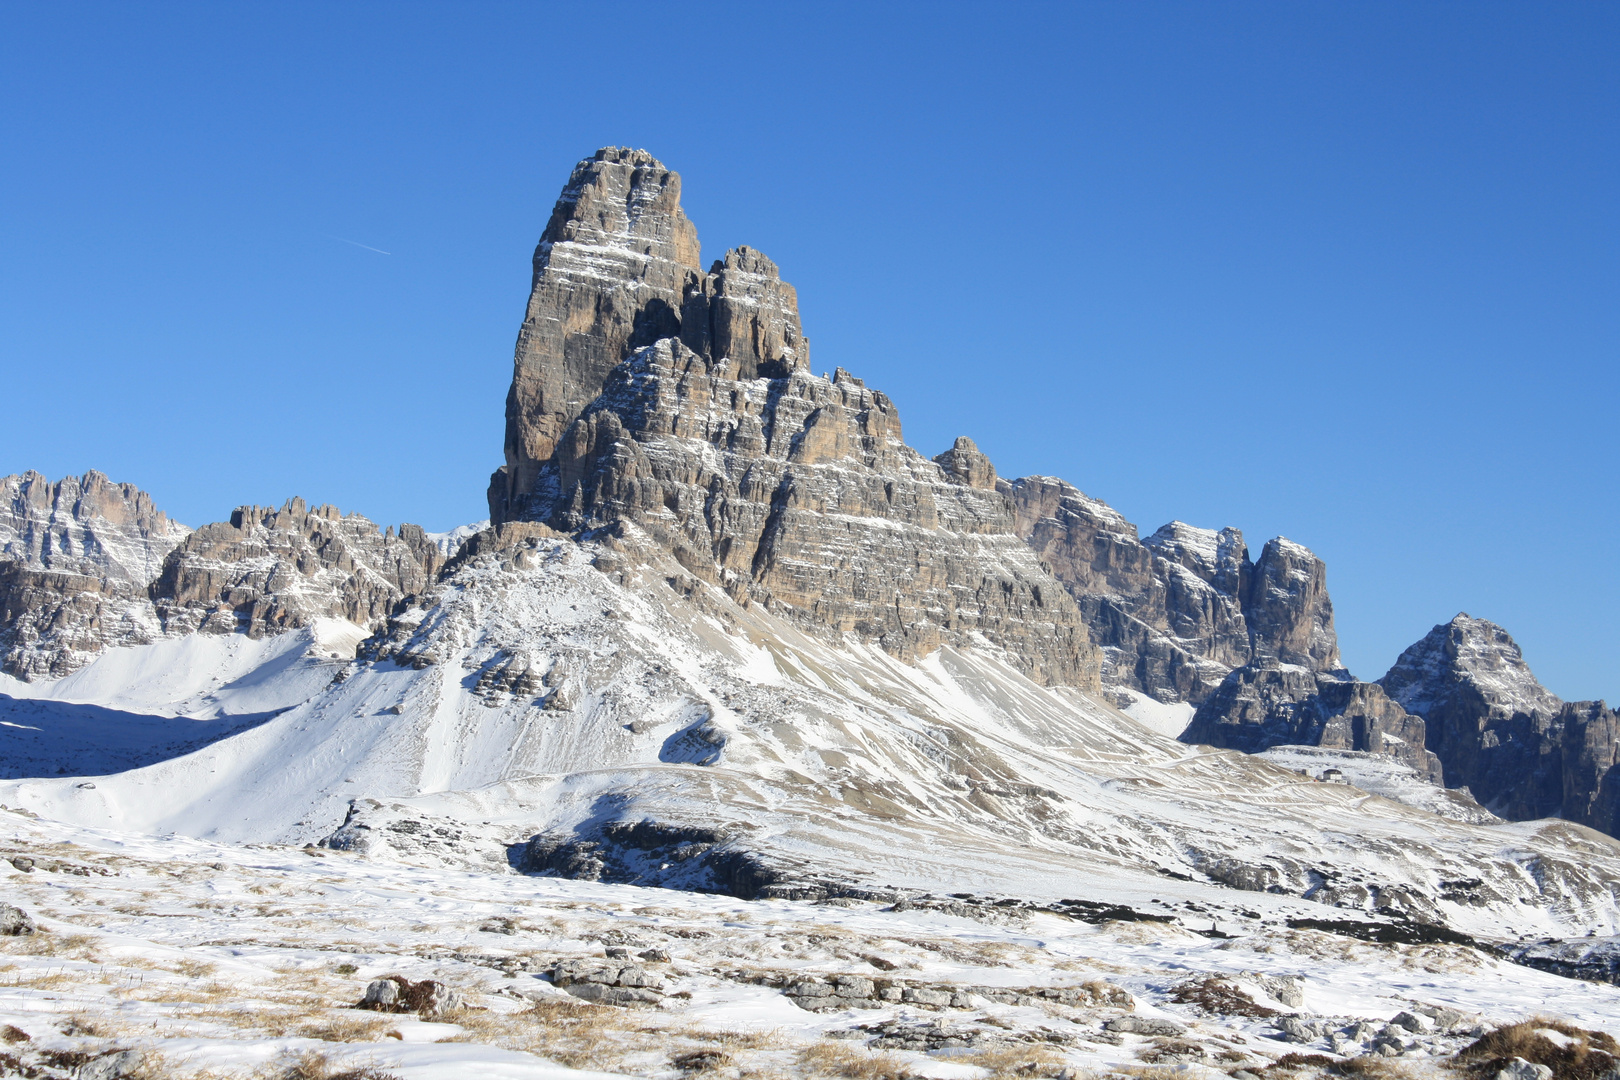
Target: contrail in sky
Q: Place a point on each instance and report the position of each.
(368, 247)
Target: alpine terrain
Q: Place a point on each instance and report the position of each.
(745, 738)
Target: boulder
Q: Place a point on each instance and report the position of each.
(15, 922)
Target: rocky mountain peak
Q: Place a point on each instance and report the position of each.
(1218, 557)
(965, 464)
(616, 270)
(268, 570)
(1289, 613)
(84, 525)
(76, 557)
(1472, 651)
(743, 311)
(626, 199)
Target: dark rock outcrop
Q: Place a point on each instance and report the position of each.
(1521, 751)
(76, 557)
(1259, 706)
(269, 571)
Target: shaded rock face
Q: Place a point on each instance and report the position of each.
(1519, 749)
(76, 557)
(617, 269)
(269, 571)
(1176, 612)
(797, 493)
(1262, 705)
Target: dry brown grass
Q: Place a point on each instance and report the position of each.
(81, 1026)
(1585, 1055)
(45, 943)
(345, 1026)
(318, 1065)
(851, 1061)
(1373, 1067)
(1216, 996)
(193, 968)
(1007, 1062)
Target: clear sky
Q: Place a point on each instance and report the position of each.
(1347, 272)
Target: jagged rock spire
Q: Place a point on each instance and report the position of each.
(617, 269)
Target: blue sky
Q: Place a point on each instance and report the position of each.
(1342, 272)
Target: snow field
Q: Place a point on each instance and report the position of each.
(230, 961)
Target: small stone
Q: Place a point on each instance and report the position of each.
(23, 863)
(654, 956)
(112, 1066)
(1411, 1022)
(922, 996)
(381, 992)
(15, 922)
(1520, 1069)
(614, 995)
(617, 952)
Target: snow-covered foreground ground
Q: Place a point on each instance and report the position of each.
(235, 960)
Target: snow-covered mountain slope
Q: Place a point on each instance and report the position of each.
(586, 708)
(148, 703)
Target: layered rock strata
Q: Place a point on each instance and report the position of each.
(798, 493)
(1175, 613)
(268, 571)
(1519, 749)
(617, 268)
(76, 557)
(1262, 705)
(645, 390)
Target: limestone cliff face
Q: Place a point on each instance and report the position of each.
(1266, 704)
(1175, 613)
(84, 525)
(269, 571)
(617, 269)
(798, 493)
(76, 557)
(1519, 749)
(680, 402)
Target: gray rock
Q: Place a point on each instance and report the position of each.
(1172, 611)
(1518, 749)
(764, 488)
(1266, 704)
(1145, 1025)
(382, 993)
(113, 1066)
(268, 571)
(23, 863)
(1520, 1069)
(654, 956)
(15, 922)
(76, 557)
(397, 994)
(922, 996)
(1412, 1022)
(1298, 1030)
(603, 994)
